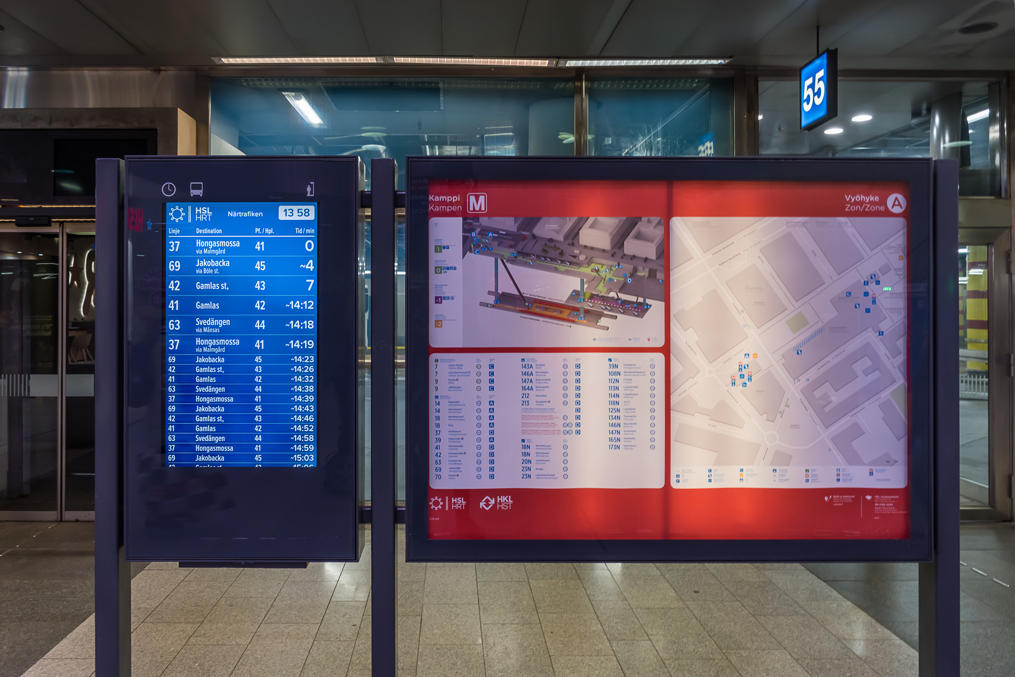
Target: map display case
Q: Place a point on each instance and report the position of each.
(670, 359)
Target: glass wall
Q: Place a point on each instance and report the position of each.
(393, 117)
(913, 118)
(660, 116)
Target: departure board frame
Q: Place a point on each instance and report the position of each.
(925, 368)
(241, 514)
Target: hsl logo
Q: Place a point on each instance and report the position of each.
(475, 203)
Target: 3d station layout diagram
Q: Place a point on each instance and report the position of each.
(615, 264)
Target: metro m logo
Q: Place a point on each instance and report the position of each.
(475, 203)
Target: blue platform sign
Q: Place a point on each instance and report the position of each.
(819, 84)
(241, 334)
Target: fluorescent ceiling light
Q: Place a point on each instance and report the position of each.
(761, 116)
(963, 250)
(268, 60)
(832, 131)
(978, 115)
(592, 63)
(303, 107)
(862, 117)
(958, 144)
(471, 61)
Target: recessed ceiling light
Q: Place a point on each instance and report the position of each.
(978, 115)
(471, 61)
(862, 117)
(761, 116)
(261, 61)
(303, 107)
(696, 61)
(832, 131)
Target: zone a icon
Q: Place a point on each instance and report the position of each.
(896, 203)
(475, 203)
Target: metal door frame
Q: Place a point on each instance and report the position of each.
(1000, 351)
(59, 513)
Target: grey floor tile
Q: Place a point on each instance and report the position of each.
(353, 586)
(410, 597)
(764, 598)
(318, 571)
(728, 573)
(565, 596)
(408, 643)
(701, 667)
(618, 620)
(848, 622)
(648, 591)
(694, 582)
(239, 610)
(574, 635)
(636, 570)
(600, 584)
(501, 571)
(804, 637)
(586, 666)
(80, 643)
(731, 626)
(150, 587)
(204, 660)
(328, 658)
(360, 663)
(299, 602)
(450, 624)
(550, 571)
(850, 666)
(450, 585)
(188, 603)
(273, 659)
(988, 649)
(513, 650)
(506, 602)
(766, 663)
(677, 634)
(258, 583)
(639, 658)
(213, 575)
(342, 621)
(154, 645)
(451, 660)
(890, 658)
(224, 633)
(61, 667)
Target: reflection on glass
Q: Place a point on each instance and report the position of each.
(898, 119)
(394, 117)
(660, 116)
(79, 430)
(974, 466)
(29, 275)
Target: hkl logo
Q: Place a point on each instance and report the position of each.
(475, 203)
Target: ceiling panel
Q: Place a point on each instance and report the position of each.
(655, 27)
(70, 25)
(481, 29)
(402, 27)
(753, 21)
(17, 39)
(562, 27)
(322, 27)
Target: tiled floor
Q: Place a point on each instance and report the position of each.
(518, 620)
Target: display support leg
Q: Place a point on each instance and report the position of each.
(383, 567)
(939, 578)
(112, 572)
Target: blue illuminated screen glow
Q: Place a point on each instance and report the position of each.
(241, 334)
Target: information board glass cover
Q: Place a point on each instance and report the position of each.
(668, 359)
(241, 334)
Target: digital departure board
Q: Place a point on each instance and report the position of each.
(240, 345)
(241, 334)
(664, 352)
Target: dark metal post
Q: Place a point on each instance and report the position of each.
(383, 571)
(939, 579)
(112, 572)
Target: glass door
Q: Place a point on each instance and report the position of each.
(985, 367)
(79, 371)
(30, 403)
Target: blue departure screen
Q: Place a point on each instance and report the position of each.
(241, 334)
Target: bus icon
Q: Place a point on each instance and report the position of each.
(197, 189)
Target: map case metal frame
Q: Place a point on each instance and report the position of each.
(931, 299)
